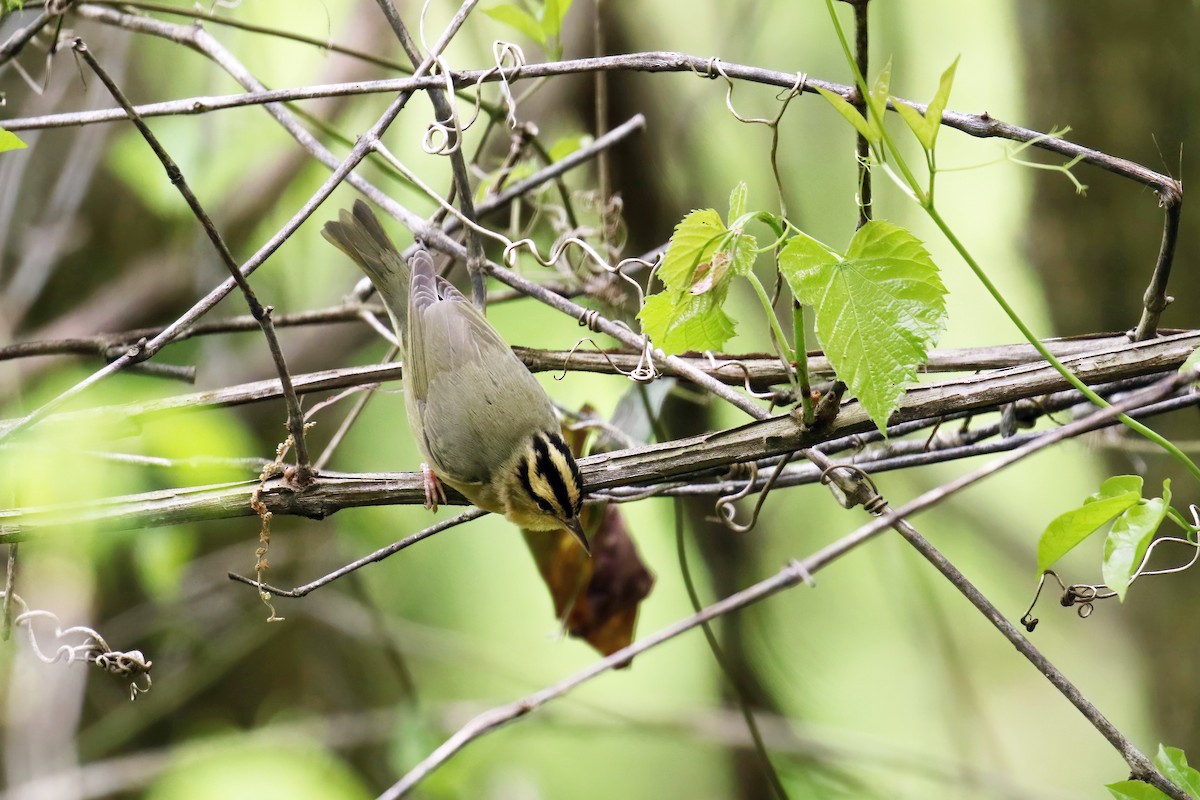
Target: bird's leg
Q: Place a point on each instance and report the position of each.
(434, 491)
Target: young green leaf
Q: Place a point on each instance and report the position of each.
(519, 19)
(737, 201)
(691, 322)
(1172, 763)
(1126, 544)
(916, 123)
(1134, 790)
(878, 309)
(851, 114)
(877, 98)
(10, 141)
(1067, 530)
(695, 240)
(553, 15)
(1117, 485)
(933, 114)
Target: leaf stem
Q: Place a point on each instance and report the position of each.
(777, 338)
(806, 403)
(1045, 353)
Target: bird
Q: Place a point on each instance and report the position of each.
(483, 423)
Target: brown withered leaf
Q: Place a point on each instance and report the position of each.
(710, 273)
(597, 598)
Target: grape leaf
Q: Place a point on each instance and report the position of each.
(695, 240)
(878, 309)
(688, 322)
(702, 259)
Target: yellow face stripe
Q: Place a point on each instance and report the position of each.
(550, 476)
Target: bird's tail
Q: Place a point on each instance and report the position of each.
(359, 235)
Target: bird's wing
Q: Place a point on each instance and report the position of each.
(477, 403)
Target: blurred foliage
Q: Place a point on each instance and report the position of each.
(882, 682)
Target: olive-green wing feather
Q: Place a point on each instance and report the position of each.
(477, 403)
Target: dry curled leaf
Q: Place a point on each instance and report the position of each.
(597, 598)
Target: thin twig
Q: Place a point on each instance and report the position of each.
(458, 166)
(378, 555)
(21, 37)
(978, 125)
(653, 464)
(1155, 299)
(793, 574)
(341, 172)
(261, 314)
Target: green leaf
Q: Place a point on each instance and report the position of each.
(519, 19)
(916, 123)
(851, 114)
(877, 98)
(566, 145)
(689, 322)
(744, 248)
(1134, 790)
(696, 238)
(933, 114)
(878, 309)
(1067, 530)
(1126, 544)
(737, 202)
(1117, 485)
(1172, 763)
(10, 141)
(553, 15)
(1192, 364)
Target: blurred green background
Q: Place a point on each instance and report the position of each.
(881, 682)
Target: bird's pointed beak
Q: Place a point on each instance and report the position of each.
(576, 529)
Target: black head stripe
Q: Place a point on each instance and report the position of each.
(561, 447)
(546, 469)
(523, 476)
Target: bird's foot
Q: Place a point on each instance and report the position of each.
(434, 491)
